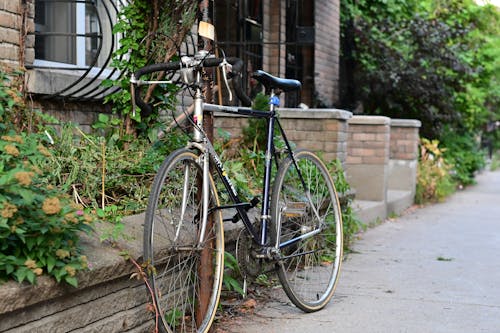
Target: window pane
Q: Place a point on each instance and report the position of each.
(54, 23)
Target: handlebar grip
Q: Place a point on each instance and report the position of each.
(176, 65)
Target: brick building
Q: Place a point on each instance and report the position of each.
(66, 46)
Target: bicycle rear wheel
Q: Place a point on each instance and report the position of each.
(308, 211)
(186, 277)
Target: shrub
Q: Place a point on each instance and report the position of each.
(463, 154)
(434, 181)
(38, 225)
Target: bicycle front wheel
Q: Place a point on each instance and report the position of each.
(184, 273)
(306, 223)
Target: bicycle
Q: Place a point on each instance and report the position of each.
(299, 231)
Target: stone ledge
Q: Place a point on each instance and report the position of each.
(369, 120)
(406, 123)
(296, 113)
(315, 113)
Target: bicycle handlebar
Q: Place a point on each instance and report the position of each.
(237, 67)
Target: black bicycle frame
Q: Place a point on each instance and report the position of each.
(259, 236)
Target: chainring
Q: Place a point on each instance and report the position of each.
(250, 266)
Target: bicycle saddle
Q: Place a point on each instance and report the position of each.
(273, 82)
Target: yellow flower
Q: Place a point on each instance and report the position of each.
(38, 271)
(88, 218)
(30, 263)
(44, 151)
(61, 254)
(11, 150)
(76, 206)
(8, 210)
(15, 138)
(51, 206)
(24, 177)
(71, 271)
(36, 169)
(70, 218)
(84, 260)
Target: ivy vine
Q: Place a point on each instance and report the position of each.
(152, 32)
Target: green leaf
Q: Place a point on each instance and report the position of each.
(71, 280)
(31, 277)
(21, 273)
(51, 262)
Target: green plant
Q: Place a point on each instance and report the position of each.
(436, 61)
(102, 175)
(351, 224)
(152, 32)
(38, 225)
(495, 162)
(231, 274)
(462, 154)
(434, 181)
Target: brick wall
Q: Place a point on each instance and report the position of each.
(368, 156)
(368, 140)
(16, 24)
(322, 130)
(327, 51)
(404, 139)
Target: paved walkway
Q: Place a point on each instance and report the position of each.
(436, 269)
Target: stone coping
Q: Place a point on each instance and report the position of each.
(406, 123)
(369, 120)
(297, 113)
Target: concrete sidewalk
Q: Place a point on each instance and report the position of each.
(436, 269)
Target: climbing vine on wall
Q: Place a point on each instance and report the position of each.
(152, 32)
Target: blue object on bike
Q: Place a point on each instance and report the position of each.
(275, 100)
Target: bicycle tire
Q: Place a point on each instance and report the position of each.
(309, 268)
(170, 232)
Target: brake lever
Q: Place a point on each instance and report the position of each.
(226, 67)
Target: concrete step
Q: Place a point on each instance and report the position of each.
(398, 201)
(370, 212)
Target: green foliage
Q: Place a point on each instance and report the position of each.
(433, 61)
(13, 113)
(151, 32)
(350, 223)
(230, 279)
(434, 181)
(38, 225)
(495, 162)
(463, 155)
(93, 167)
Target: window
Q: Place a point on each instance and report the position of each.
(68, 32)
(73, 45)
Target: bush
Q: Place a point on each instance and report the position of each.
(38, 225)
(434, 181)
(463, 154)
